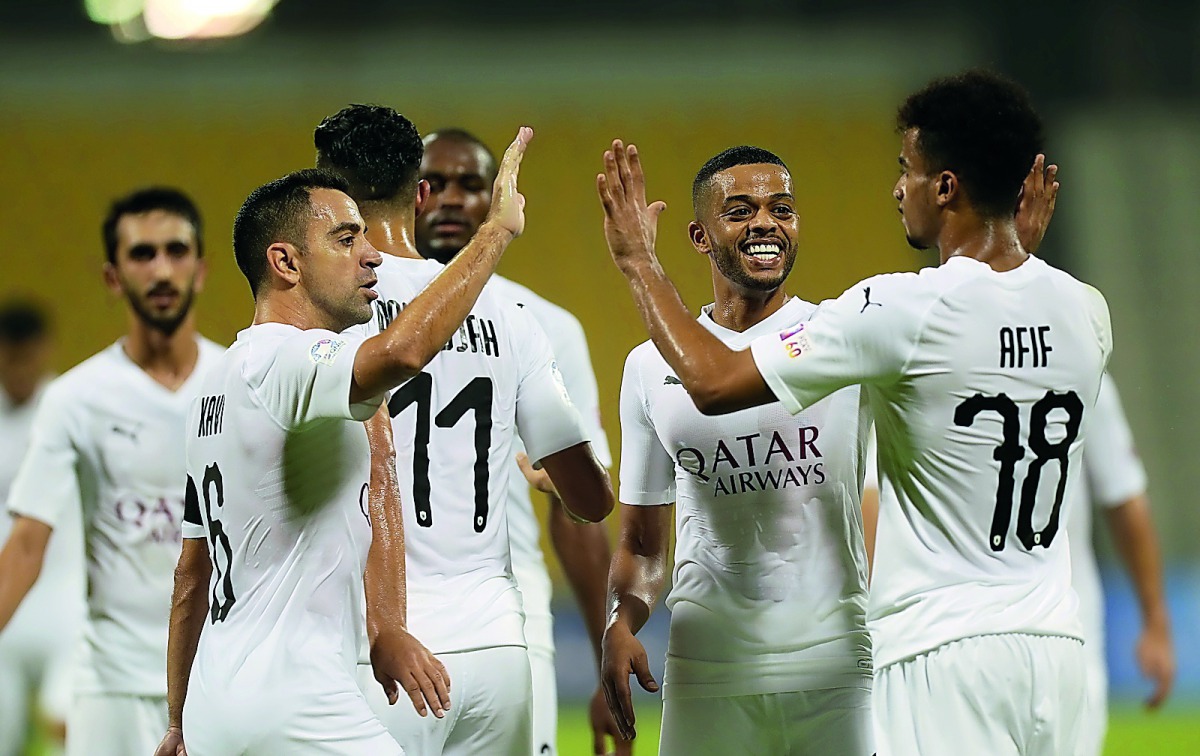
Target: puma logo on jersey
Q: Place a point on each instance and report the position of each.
(671, 380)
(130, 433)
(868, 302)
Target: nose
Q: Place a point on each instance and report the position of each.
(898, 189)
(161, 266)
(763, 222)
(372, 258)
(451, 195)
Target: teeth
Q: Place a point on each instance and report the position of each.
(764, 250)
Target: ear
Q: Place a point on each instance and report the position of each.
(283, 262)
(423, 191)
(947, 188)
(699, 237)
(111, 280)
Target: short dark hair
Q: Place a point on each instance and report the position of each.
(165, 198)
(462, 135)
(277, 212)
(377, 150)
(22, 322)
(726, 159)
(983, 127)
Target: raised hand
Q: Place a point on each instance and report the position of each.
(630, 225)
(623, 655)
(400, 661)
(1035, 206)
(539, 479)
(508, 205)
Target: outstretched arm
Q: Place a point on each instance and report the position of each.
(718, 379)
(422, 328)
(1133, 534)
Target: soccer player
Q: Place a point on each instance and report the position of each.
(455, 426)
(107, 446)
(37, 646)
(980, 374)
(459, 169)
(277, 486)
(768, 649)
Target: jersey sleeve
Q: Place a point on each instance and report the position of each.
(1110, 459)
(193, 525)
(46, 487)
(647, 470)
(863, 336)
(547, 420)
(571, 353)
(309, 379)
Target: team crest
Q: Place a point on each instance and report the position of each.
(325, 351)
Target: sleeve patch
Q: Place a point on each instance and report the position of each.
(795, 341)
(325, 351)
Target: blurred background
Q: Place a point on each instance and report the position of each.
(219, 96)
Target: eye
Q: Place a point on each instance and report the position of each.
(783, 211)
(178, 249)
(141, 253)
(473, 184)
(436, 184)
(738, 212)
(347, 241)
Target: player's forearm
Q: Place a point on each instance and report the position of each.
(639, 567)
(584, 486)
(1133, 534)
(384, 581)
(189, 609)
(20, 564)
(718, 379)
(584, 553)
(424, 326)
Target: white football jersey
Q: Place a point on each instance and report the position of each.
(455, 426)
(569, 344)
(981, 385)
(1113, 473)
(277, 473)
(107, 442)
(769, 589)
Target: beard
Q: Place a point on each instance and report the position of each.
(165, 323)
(729, 263)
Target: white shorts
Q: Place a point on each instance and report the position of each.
(539, 634)
(1095, 712)
(834, 722)
(490, 707)
(1001, 695)
(316, 711)
(107, 724)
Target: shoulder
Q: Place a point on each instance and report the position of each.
(641, 359)
(102, 367)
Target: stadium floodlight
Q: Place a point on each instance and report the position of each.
(200, 19)
(139, 20)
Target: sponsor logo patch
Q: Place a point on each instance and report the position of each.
(325, 351)
(795, 341)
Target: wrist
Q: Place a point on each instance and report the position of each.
(639, 265)
(495, 231)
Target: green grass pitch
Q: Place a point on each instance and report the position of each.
(1131, 732)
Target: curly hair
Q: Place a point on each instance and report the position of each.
(726, 159)
(982, 127)
(377, 150)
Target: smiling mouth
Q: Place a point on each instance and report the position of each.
(766, 252)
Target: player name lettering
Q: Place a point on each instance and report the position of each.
(476, 334)
(212, 412)
(1024, 346)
